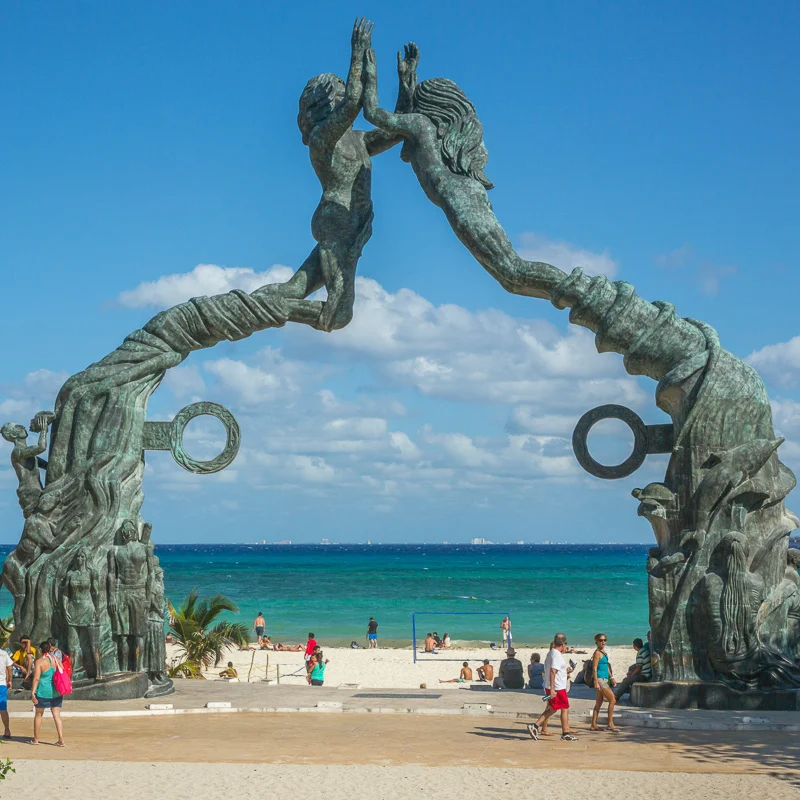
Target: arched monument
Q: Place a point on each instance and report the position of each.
(724, 590)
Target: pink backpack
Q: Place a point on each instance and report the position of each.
(61, 680)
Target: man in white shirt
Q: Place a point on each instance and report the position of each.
(556, 672)
(5, 687)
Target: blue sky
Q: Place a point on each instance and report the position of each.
(141, 140)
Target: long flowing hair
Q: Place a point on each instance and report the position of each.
(317, 101)
(734, 602)
(458, 127)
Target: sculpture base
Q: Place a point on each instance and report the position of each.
(712, 696)
(160, 689)
(117, 686)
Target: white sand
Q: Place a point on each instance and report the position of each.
(390, 669)
(124, 780)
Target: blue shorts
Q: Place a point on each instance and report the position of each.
(373, 636)
(3, 698)
(259, 630)
(49, 702)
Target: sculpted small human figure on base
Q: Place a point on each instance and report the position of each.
(128, 585)
(80, 600)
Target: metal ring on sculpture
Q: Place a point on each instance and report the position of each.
(640, 441)
(233, 434)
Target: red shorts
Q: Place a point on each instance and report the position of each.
(559, 700)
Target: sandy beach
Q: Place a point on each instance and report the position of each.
(389, 668)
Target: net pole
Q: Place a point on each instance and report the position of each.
(414, 635)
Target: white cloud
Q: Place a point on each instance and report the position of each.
(185, 381)
(779, 362)
(566, 256)
(204, 279)
(36, 392)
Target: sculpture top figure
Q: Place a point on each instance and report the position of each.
(24, 459)
(444, 144)
(342, 223)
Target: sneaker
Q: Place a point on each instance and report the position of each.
(568, 737)
(533, 730)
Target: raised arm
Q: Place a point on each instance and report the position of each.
(342, 117)
(378, 140)
(397, 124)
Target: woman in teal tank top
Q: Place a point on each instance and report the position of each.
(603, 681)
(43, 692)
(317, 675)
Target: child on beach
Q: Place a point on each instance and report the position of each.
(310, 645)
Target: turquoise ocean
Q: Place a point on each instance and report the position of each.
(332, 590)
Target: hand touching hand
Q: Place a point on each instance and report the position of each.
(407, 63)
(361, 39)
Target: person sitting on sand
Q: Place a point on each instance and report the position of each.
(511, 675)
(535, 672)
(446, 640)
(463, 676)
(430, 643)
(437, 639)
(229, 672)
(266, 644)
(486, 671)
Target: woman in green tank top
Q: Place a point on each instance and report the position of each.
(43, 692)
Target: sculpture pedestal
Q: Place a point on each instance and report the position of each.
(711, 696)
(117, 686)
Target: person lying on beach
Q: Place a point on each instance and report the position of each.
(486, 671)
(290, 648)
(229, 671)
(463, 676)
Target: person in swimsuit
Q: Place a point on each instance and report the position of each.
(44, 694)
(603, 683)
(463, 677)
(259, 626)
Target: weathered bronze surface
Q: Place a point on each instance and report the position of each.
(724, 590)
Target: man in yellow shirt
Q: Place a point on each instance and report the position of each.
(23, 659)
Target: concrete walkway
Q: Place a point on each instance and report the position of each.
(191, 697)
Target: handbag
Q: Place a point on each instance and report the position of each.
(61, 680)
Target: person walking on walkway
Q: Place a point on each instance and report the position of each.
(558, 700)
(44, 694)
(603, 683)
(6, 675)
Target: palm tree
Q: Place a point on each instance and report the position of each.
(200, 640)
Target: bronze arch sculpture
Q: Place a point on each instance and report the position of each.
(724, 590)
